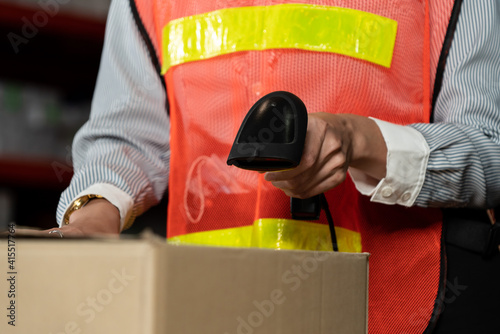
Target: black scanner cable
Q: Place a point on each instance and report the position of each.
(333, 235)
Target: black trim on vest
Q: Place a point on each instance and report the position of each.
(149, 44)
(450, 32)
(439, 302)
(452, 25)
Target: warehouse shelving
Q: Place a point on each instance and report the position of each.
(60, 50)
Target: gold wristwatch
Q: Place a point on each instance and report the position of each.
(78, 204)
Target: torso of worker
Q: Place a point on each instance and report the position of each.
(374, 59)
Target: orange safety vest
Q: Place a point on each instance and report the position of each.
(219, 57)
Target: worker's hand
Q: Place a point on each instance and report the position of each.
(333, 144)
(98, 217)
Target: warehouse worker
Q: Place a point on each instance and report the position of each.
(405, 116)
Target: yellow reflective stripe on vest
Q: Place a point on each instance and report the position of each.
(276, 234)
(298, 26)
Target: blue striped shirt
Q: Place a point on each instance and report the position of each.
(464, 164)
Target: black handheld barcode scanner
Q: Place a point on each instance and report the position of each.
(271, 138)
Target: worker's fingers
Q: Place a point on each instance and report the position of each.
(310, 155)
(58, 233)
(324, 162)
(66, 231)
(76, 231)
(329, 176)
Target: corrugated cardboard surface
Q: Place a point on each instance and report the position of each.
(146, 286)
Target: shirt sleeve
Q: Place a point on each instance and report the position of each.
(462, 147)
(407, 156)
(123, 152)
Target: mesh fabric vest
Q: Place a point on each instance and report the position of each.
(209, 97)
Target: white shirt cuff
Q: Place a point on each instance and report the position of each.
(123, 201)
(407, 157)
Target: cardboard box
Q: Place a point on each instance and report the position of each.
(144, 286)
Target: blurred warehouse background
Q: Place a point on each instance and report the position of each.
(50, 52)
